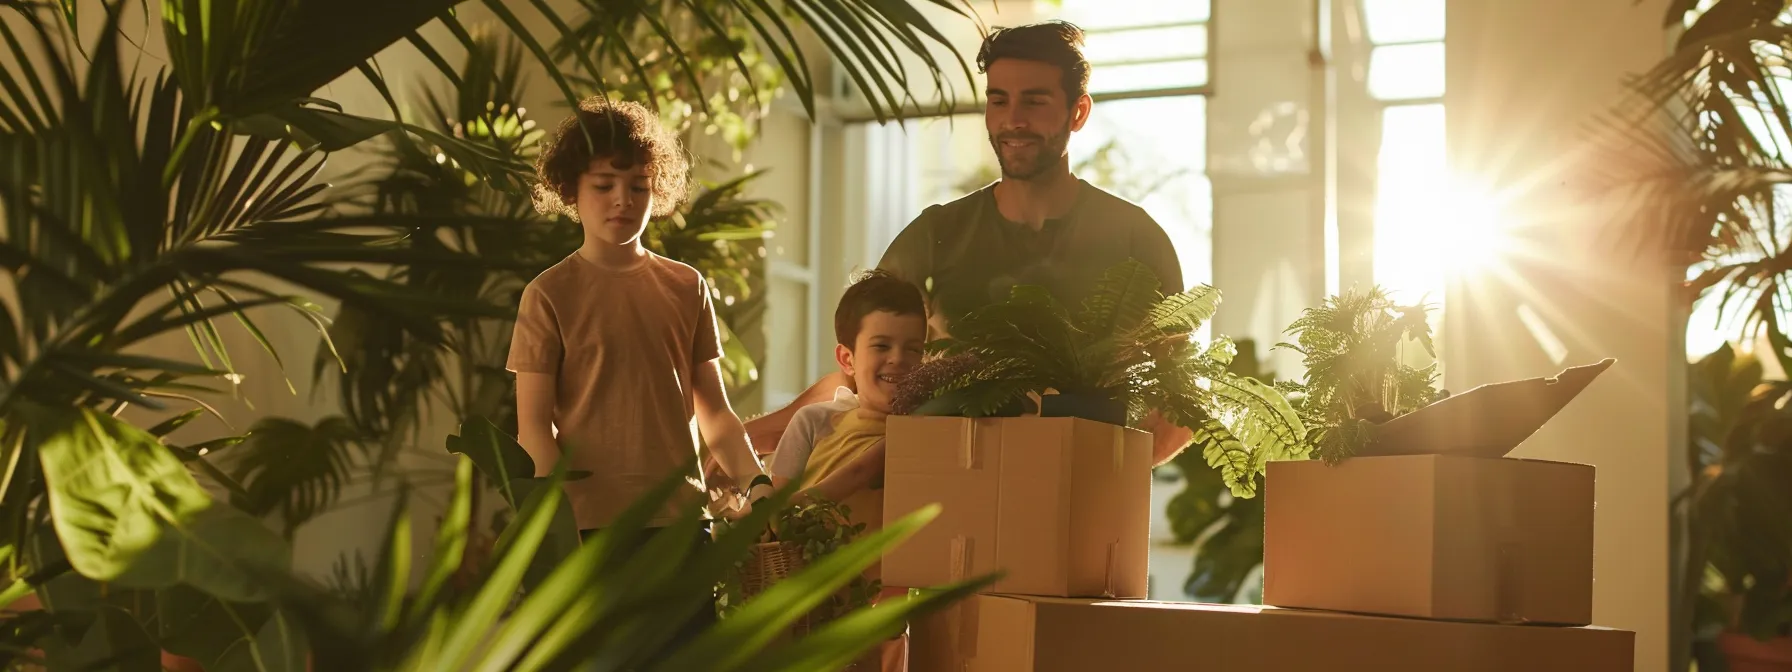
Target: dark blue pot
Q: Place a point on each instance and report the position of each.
(1087, 406)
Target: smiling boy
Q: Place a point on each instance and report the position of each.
(837, 447)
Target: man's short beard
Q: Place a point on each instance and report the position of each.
(1051, 152)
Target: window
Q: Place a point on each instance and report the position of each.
(1406, 74)
(1148, 62)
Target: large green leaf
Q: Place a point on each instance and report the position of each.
(248, 57)
(279, 646)
(191, 623)
(127, 511)
(112, 487)
(115, 642)
(731, 644)
(499, 457)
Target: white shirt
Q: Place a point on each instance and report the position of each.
(807, 427)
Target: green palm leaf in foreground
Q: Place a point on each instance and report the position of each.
(614, 603)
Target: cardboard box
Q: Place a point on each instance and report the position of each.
(1062, 504)
(1003, 633)
(1432, 536)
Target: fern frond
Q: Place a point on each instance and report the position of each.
(1180, 314)
(1263, 421)
(983, 398)
(1120, 300)
(1335, 443)
(1221, 351)
(1231, 457)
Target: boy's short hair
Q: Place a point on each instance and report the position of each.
(1056, 42)
(629, 134)
(871, 292)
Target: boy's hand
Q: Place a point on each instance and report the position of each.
(733, 513)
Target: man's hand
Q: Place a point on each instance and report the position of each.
(1167, 439)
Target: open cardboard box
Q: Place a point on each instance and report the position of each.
(1432, 536)
(1431, 521)
(1062, 505)
(1006, 633)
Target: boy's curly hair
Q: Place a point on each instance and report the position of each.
(625, 132)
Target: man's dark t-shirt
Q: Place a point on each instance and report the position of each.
(965, 254)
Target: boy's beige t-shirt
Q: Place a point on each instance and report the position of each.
(625, 346)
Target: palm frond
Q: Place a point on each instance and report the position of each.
(295, 470)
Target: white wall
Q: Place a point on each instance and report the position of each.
(1524, 78)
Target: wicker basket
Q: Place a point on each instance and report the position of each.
(768, 564)
(771, 562)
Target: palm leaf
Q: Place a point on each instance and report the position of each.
(294, 469)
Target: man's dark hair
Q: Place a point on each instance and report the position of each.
(625, 132)
(871, 292)
(1058, 43)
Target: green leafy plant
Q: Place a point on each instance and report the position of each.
(651, 583)
(819, 528)
(389, 380)
(1224, 531)
(1355, 376)
(1738, 569)
(729, 77)
(1128, 346)
(1700, 158)
(149, 197)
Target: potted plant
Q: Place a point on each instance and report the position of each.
(1128, 351)
(1126, 347)
(1358, 375)
(1734, 585)
(801, 531)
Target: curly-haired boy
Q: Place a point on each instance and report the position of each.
(615, 347)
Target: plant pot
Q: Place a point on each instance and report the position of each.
(1087, 406)
(949, 404)
(1747, 654)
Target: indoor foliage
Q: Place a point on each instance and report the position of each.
(818, 528)
(390, 380)
(1356, 377)
(1739, 450)
(1225, 532)
(152, 194)
(1704, 162)
(1128, 345)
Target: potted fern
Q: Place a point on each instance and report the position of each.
(1358, 375)
(1127, 347)
(1127, 351)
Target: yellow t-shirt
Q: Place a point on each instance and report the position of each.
(823, 438)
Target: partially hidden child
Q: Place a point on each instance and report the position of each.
(836, 448)
(615, 347)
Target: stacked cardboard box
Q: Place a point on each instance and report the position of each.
(1003, 633)
(1402, 562)
(1060, 504)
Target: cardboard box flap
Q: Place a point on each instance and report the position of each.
(1488, 421)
